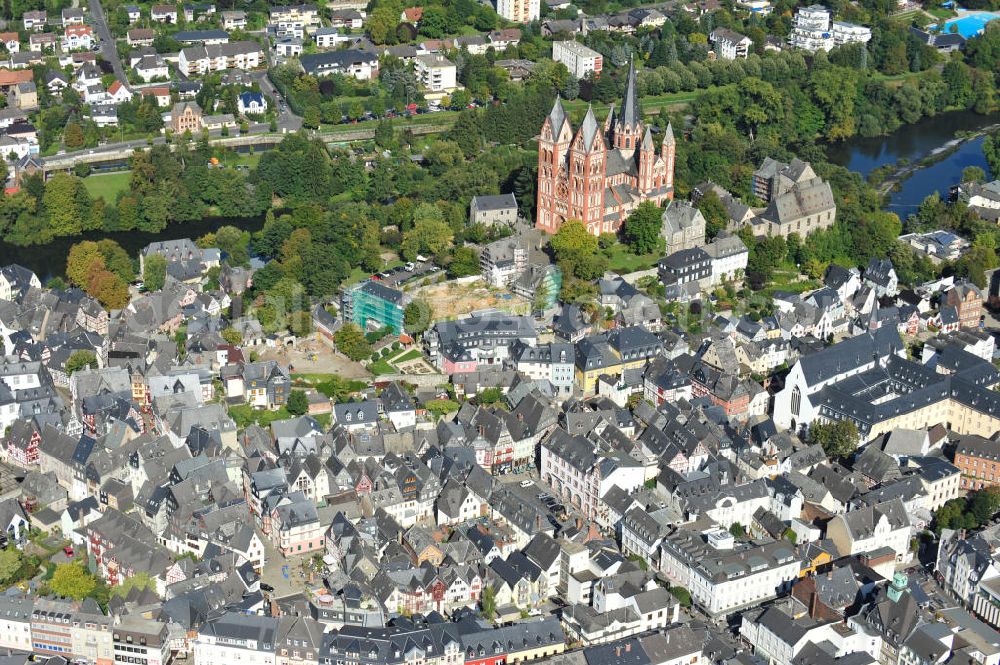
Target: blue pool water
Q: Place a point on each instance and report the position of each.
(971, 24)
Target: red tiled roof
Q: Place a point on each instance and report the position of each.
(9, 77)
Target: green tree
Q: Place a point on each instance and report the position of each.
(233, 336)
(83, 261)
(79, 360)
(441, 407)
(140, 581)
(73, 136)
(311, 117)
(576, 251)
(991, 150)
(417, 316)
(948, 515)
(983, 504)
(838, 438)
(154, 272)
(72, 581)
(350, 341)
(682, 595)
(116, 259)
(715, 214)
(430, 233)
(464, 262)
(68, 206)
(491, 396)
(298, 403)
(973, 174)
(385, 137)
(489, 603)
(642, 228)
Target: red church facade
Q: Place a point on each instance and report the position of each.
(599, 175)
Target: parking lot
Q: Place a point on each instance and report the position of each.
(396, 277)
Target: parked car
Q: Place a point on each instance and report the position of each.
(68, 551)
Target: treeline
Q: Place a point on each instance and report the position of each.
(164, 187)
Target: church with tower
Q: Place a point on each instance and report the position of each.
(598, 175)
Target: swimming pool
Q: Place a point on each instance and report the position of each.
(971, 25)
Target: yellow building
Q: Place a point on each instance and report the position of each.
(613, 352)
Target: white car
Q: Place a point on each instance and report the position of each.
(525, 483)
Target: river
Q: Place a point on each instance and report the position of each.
(913, 143)
(49, 260)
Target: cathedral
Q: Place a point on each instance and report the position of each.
(598, 176)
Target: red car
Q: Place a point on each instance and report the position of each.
(68, 551)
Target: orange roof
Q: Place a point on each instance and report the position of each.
(79, 30)
(8, 77)
(158, 91)
(114, 87)
(9, 37)
(413, 14)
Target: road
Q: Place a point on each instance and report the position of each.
(287, 121)
(109, 49)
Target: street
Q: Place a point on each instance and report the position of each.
(287, 121)
(109, 49)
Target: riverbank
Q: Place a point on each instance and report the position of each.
(918, 160)
(935, 156)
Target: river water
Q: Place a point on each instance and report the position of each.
(49, 260)
(913, 143)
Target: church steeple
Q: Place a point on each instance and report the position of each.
(631, 113)
(628, 121)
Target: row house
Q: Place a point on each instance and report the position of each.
(295, 525)
(577, 470)
(723, 578)
(201, 60)
(237, 638)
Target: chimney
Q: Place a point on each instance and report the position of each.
(628, 647)
(829, 574)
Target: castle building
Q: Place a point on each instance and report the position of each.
(599, 176)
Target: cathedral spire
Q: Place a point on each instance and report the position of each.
(631, 114)
(557, 116)
(647, 140)
(589, 128)
(668, 135)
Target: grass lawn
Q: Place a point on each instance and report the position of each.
(381, 366)
(232, 158)
(412, 354)
(650, 103)
(621, 260)
(941, 13)
(786, 279)
(107, 185)
(314, 378)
